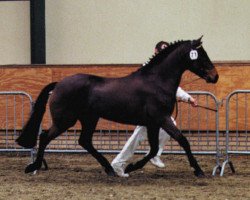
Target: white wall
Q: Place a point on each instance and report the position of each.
(14, 32)
(125, 31)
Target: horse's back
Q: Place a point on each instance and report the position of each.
(77, 83)
(72, 92)
(124, 100)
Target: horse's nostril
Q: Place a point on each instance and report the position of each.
(216, 78)
(213, 79)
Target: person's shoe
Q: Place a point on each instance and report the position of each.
(157, 162)
(119, 169)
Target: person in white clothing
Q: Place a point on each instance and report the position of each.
(140, 134)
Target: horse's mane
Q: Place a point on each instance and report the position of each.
(158, 58)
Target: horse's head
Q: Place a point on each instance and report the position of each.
(200, 64)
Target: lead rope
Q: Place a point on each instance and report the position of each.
(176, 103)
(200, 106)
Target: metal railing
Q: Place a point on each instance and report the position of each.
(15, 109)
(237, 129)
(202, 128)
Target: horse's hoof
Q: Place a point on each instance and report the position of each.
(45, 165)
(129, 168)
(199, 174)
(110, 172)
(32, 168)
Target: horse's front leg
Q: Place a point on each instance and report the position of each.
(174, 132)
(153, 139)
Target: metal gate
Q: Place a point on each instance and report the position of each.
(201, 126)
(237, 126)
(15, 109)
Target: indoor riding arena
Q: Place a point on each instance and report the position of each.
(127, 83)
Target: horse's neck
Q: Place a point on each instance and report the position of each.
(170, 73)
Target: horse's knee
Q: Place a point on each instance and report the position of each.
(86, 145)
(81, 142)
(153, 152)
(43, 137)
(182, 140)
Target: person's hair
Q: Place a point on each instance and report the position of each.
(159, 45)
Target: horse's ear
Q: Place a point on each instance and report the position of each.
(200, 39)
(196, 44)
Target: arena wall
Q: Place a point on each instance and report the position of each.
(32, 78)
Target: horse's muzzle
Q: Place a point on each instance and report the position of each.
(212, 76)
(212, 79)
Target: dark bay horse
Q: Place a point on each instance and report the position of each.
(145, 97)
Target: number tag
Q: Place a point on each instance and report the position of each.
(193, 55)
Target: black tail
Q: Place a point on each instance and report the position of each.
(30, 131)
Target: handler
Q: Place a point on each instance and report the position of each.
(140, 133)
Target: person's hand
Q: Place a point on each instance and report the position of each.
(193, 101)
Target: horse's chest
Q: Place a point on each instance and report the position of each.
(166, 99)
(166, 103)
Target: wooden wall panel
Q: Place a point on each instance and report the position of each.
(32, 78)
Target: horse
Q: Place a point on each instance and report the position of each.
(145, 97)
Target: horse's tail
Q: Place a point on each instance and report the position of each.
(28, 137)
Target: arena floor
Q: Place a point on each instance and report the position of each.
(78, 176)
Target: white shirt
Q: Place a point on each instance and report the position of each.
(182, 95)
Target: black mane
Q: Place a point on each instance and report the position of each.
(157, 58)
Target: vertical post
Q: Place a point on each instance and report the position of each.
(37, 29)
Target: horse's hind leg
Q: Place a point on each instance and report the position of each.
(85, 141)
(45, 139)
(153, 139)
(174, 132)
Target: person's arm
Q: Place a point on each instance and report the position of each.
(184, 96)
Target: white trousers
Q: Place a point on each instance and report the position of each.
(139, 135)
